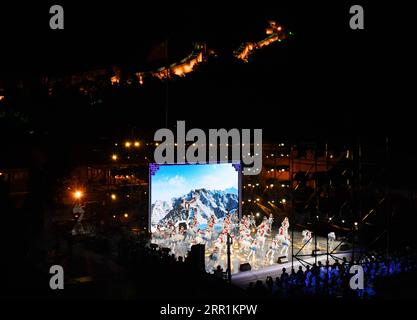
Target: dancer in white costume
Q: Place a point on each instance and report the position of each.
(244, 231)
(261, 236)
(211, 222)
(273, 248)
(180, 242)
(226, 223)
(157, 236)
(252, 221)
(199, 238)
(169, 234)
(284, 240)
(332, 238)
(172, 241)
(285, 245)
(223, 241)
(207, 237)
(263, 223)
(220, 243)
(243, 218)
(234, 224)
(235, 265)
(270, 221)
(245, 243)
(192, 229)
(285, 224)
(253, 248)
(214, 258)
(306, 242)
(177, 238)
(282, 233)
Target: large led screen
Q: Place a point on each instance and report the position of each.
(193, 204)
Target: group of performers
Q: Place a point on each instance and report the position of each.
(252, 238)
(308, 237)
(180, 236)
(249, 240)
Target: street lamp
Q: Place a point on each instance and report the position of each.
(114, 157)
(127, 144)
(78, 194)
(113, 196)
(137, 144)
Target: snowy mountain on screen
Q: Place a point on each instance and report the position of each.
(159, 210)
(231, 190)
(209, 203)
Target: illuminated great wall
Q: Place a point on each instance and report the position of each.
(275, 32)
(201, 54)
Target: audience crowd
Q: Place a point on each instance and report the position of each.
(334, 279)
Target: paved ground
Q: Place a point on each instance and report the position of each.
(259, 261)
(242, 279)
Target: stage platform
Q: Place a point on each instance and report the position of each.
(261, 265)
(242, 279)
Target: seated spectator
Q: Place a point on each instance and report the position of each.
(276, 286)
(284, 277)
(293, 277)
(300, 275)
(269, 283)
(260, 288)
(218, 272)
(315, 270)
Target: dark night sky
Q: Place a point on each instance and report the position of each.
(326, 82)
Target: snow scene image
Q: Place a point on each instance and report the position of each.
(194, 204)
(199, 204)
(206, 203)
(182, 193)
